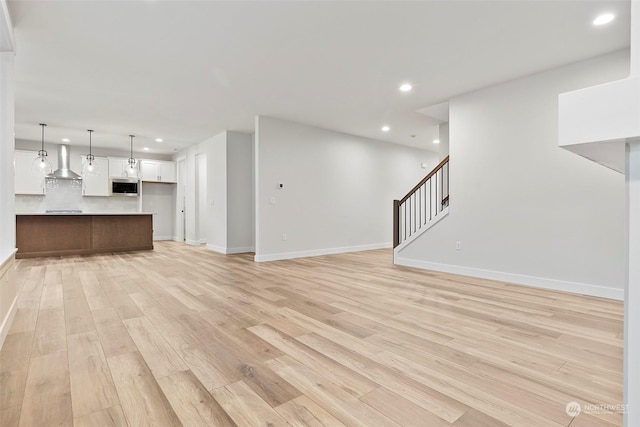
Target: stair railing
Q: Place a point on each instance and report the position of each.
(422, 204)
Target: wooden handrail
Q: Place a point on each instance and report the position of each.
(425, 179)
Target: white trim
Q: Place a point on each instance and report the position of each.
(319, 252)
(192, 242)
(519, 279)
(8, 319)
(424, 228)
(8, 263)
(230, 251)
(163, 238)
(7, 38)
(215, 248)
(203, 241)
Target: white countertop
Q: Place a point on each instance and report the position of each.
(85, 213)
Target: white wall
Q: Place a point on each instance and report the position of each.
(160, 199)
(338, 189)
(523, 209)
(443, 148)
(7, 218)
(8, 285)
(217, 191)
(227, 179)
(201, 197)
(240, 192)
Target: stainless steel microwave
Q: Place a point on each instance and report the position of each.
(124, 187)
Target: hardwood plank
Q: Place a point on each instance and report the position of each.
(200, 359)
(77, 315)
(123, 305)
(47, 396)
(349, 380)
(10, 417)
(92, 388)
(158, 354)
(192, 402)
(346, 408)
(142, 400)
(114, 337)
(245, 407)
(14, 365)
(396, 340)
(304, 412)
(51, 333)
(474, 418)
(441, 404)
(401, 410)
(110, 417)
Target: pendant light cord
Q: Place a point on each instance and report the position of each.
(42, 125)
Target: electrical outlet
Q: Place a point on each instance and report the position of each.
(458, 245)
(284, 236)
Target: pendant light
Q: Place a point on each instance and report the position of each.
(90, 166)
(131, 169)
(41, 164)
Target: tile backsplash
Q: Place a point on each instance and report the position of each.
(67, 194)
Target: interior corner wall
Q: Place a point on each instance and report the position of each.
(443, 148)
(523, 209)
(239, 192)
(216, 149)
(7, 144)
(337, 189)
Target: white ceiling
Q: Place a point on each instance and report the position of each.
(187, 70)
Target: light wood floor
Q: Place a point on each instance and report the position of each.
(184, 336)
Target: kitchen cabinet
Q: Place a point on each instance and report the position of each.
(26, 180)
(96, 185)
(158, 171)
(117, 165)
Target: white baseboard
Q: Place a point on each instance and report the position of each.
(8, 319)
(9, 289)
(192, 242)
(319, 252)
(163, 238)
(229, 251)
(519, 279)
(203, 241)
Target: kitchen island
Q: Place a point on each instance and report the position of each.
(78, 233)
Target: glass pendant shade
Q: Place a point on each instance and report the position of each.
(41, 164)
(131, 168)
(90, 166)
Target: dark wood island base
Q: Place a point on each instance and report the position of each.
(79, 234)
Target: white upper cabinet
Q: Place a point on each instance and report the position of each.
(117, 166)
(157, 171)
(26, 180)
(96, 185)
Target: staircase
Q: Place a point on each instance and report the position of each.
(422, 207)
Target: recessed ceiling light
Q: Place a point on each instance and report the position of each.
(436, 141)
(158, 139)
(386, 128)
(65, 139)
(405, 87)
(603, 19)
(146, 148)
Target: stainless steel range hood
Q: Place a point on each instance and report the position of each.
(63, 171)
